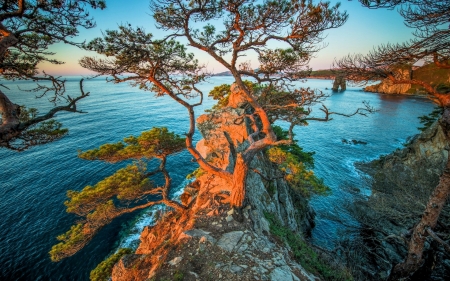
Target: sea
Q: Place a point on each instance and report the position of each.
(34, 183)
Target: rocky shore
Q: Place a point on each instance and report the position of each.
(401, 184)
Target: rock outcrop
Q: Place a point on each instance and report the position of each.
(402, 183)
(387, 87)
(210, 241)
(339, 82)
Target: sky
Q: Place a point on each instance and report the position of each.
(365, 29)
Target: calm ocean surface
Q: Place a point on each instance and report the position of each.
(33, 183)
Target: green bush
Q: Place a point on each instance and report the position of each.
(428, 120)
(304, 254)
(103, 271)
(178, 276)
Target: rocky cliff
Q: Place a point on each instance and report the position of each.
(402, 182)
(387, 87)
(210, 241)
(428, 73)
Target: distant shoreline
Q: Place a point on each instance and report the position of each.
(308, 77)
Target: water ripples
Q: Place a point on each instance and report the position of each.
(34, 183)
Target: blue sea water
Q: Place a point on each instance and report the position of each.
(33, 183)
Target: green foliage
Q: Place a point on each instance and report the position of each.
(122, 192)
(70, 242)
(157, 142)
(44, 131)
(278, 60)
(435, 76)
(428, 120)
(305, 157)
(295, 173)
(222, 93)
(285, 104)
(126, 184)
(178, 276)
(26, 114)
(41, 24)
(195, 174)
(103, 271)
(99, 205)
(322, 73)
(304, 254)
(40, 133)
(135, 51)
(443, 87)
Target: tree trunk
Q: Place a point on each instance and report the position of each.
(430, 216)
(10, 114)
(239, 179)
(7, 41)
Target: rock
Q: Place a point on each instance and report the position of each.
(243, 248)
(387, 87)
(237, 98)
(281, 273)
(402, 181)
(235, 269)
(339, 82)
(354, 142)
(126, 269)
(175, 261)
(230, 126)
(265, 225)
(193, 273)
(225, 133)
(229, 240)
(200, 233)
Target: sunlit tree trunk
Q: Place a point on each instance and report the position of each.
(430, 216)
(239, 180)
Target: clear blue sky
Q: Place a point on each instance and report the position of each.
(364, 29)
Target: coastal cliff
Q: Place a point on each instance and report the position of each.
(428, 73)
(210, 240)
(401, 184)
(387, 87)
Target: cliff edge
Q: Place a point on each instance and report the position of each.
(210, 240)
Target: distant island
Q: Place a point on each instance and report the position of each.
(316, 74)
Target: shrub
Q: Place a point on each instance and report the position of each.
(103, 271)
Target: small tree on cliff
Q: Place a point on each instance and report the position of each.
(430, 18)
(27, 29)
(127, 190)
(164, 67)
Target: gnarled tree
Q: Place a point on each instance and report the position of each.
(248, 27)
(27, 29)
(432, 45)
(127, 190)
